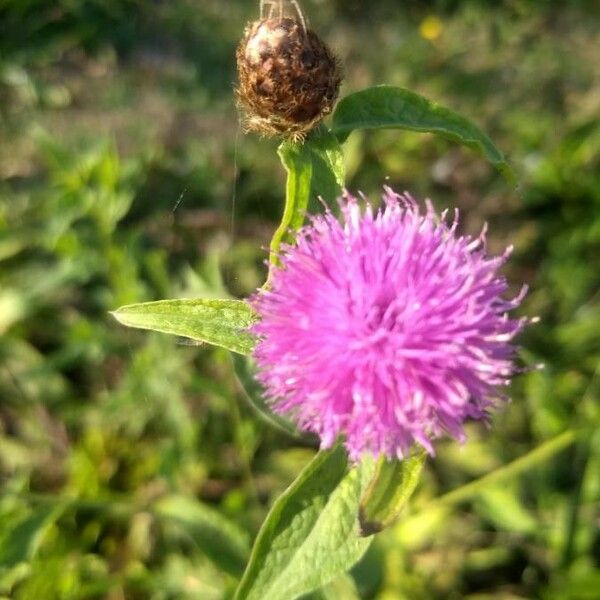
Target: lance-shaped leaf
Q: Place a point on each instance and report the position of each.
(329, 171)
(342, 586)
(298, 166)
(311, 534)
(219, 322)
(388, 492)
(388, 107)
(315, 169)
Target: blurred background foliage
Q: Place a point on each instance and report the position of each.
(130, 464)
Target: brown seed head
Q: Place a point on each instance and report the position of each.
(288, 78)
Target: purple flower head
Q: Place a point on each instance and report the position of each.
(387, 329)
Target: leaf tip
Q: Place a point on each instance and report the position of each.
(117, 313)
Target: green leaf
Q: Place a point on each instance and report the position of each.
(298, 166)
(388, 492)
(217, 537)
(311, 534)
(219, 322)
(342, 586)
(23, 540)
(388, 107)
(328, 169)
(245, 371)
(315, 169)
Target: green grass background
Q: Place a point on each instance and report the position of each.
(130, 464)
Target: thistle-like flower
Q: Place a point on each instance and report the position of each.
(387, 329)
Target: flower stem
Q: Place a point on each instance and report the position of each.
(516, 467)
(297, 193)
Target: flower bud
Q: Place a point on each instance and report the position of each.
(288, 78)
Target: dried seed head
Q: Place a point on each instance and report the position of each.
(288, 78)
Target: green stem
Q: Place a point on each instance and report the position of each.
(288, 213)
(580, 465)
(297, 194)
(579, 469)
(516, 467)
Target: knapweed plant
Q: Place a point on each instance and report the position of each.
(377, 331)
